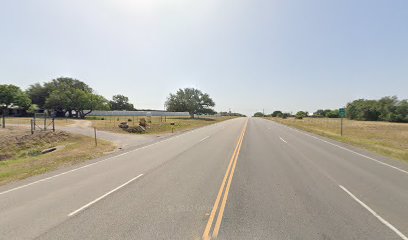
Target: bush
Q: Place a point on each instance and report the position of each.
(142, 122)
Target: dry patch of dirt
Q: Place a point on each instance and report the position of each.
(15, 142)
(23, 155)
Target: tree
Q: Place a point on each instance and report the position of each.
(286, 115)
(12, 96)
(258, 114)
(333, 114)
(66, 95)
(120, 102)
(387, 107)
(366, 110)
(38, 94)
(77, 100)
(190, 100)
(401, 112)
(67, 83)
(277, 114)
(301, 115)
(232, 114)
(33, 108)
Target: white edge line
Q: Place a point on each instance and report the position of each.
(60, 174)
(88, 165)
(103, 196)
(389, 225)
(204, 138)
(283, 140)
(362, 155)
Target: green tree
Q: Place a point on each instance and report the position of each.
(322, 113)
(12, 96)
(319, 113)
(78, 100)
(258, 114)
(333, 114)
(277, 114)
(190, 100)
(286, 115)
(38, 94)
(366, 110)
(120, 102)
(301, 115)
(401, 112)
(33, 108)
(387, 107)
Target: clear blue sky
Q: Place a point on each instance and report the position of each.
(248, 55)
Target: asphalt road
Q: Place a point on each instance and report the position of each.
(245, 178)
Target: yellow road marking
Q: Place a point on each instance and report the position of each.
(230, 173)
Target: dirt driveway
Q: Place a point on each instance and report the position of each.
(124, 140)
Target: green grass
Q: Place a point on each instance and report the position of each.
(21, 152)
(384, 138)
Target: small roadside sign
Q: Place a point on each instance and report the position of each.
(342, 112)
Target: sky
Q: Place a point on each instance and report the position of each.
(249, 55)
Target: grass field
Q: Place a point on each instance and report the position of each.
(158, 125)
(20, 152)
(388, 139)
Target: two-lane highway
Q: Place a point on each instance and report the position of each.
(293, 185)
(245, 178)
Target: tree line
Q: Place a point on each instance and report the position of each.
(389, 109)
(71, 97)
(63, 96)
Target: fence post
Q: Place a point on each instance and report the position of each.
(3, 119)
(32, 128)
(53, 124)
(96, 141)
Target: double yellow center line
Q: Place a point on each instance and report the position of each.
(223, 192)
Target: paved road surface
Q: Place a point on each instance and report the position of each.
(238, 179)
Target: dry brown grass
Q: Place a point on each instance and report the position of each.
(26, 121)
(388, 139)
(21, 157)
(158, 125)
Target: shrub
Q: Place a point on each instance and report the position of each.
(142, 122)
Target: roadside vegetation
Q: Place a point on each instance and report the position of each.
(155, 125)
(385, 138)
(386, 109)
(23, 155)
(376, 125)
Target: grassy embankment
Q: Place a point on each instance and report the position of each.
(21, 157)
(158, 125)
(384, 138)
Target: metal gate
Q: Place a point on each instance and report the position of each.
(42, 122)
